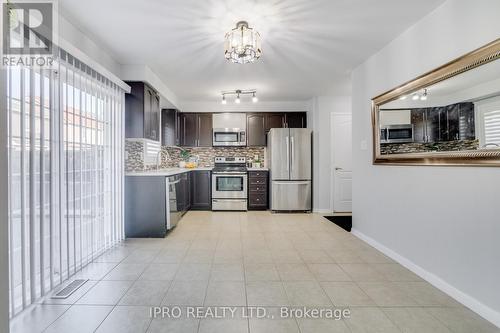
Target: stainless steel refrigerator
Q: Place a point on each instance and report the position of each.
(289, 156)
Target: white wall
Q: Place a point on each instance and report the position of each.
(4, 230)
(320, 121)
(246, 105)
(446, 221)
(71, 34)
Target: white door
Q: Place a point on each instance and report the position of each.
(341, 125)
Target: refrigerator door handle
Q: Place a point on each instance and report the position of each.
(292, 153)
(305, 182)
(287, 153)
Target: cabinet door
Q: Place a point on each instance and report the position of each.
(433, 116)
(467, 130)
(452, 122)
(148, 98)
(256, 130)
(155, 117)
(275, 120)
(296, 120)
(188, 190)
(204, 130)
(201, 195)
(168, 127)
(189, 129)
(418, 122)
(178, 129)
(134, 111)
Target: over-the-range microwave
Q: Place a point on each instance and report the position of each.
(397, 133)
(229, 137)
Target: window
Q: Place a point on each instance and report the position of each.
(488, 125)
(65, 174)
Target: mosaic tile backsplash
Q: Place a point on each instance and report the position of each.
(171, 156)
(416, 147)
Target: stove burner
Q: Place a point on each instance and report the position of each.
(230, 165)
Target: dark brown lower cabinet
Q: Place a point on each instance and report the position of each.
(258, 189)
(201, 190)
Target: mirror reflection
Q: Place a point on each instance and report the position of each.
(461, 113)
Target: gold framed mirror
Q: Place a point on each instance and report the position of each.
(448, 116)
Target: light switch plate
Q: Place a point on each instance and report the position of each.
(364, 145)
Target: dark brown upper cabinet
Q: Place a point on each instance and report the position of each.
(259, 124)
(256, 129)
(296, 120)
(142, 112)
(169, 127)
(448, 123)
(275, 120)
(204, 130)
(196, 129)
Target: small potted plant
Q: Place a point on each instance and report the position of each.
(256, 162)
(185, 157)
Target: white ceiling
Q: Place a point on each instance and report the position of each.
(309, 46)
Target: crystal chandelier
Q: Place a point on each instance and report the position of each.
(242, 44)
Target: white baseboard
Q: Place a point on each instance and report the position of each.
(467, 300)
(322, 211)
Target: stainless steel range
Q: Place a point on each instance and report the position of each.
(229, 184)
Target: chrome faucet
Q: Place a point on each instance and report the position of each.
(158, 160)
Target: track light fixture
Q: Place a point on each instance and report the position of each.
(238, 94)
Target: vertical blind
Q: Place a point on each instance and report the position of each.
(66, 136)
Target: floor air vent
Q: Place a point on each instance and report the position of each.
(69, 289)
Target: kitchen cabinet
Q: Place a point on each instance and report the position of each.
(296, 120)
(196, 129)
(184, 189)
(169, 127)
(145, 206)
(449, 123)
(467, 123)
(201, 190)
(142, 112)
(419, 125)
(256, 130)
(204, 130)
(274, 120)
(259, 124)
(258, 189)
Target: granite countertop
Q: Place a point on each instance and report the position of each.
(165, 172)
(257, 169)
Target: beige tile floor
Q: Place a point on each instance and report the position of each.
(250, 259)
